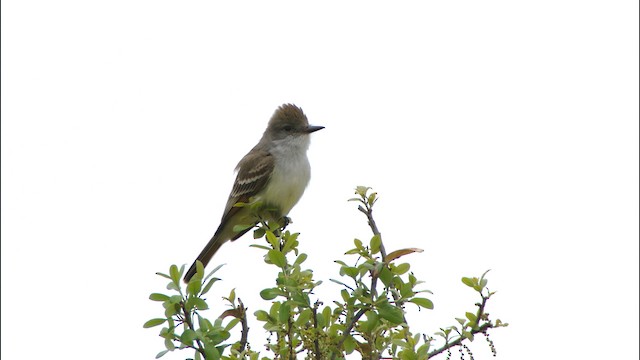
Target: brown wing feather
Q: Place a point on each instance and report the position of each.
(254, 171)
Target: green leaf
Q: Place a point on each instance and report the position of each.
(199, 269)
(175, 275)
(349, 271)
(206, 325)
(372, 199)
(320, 320)
(391, 313)
(385, 276)
(211, 352)
(187, 337)
(158, 297)
(231, 324)
(232, 295)
(270, 294)
(375, 244)
(301, 258)
(283, 314)
(423, 350)
(406, 290)
(194, 285)
(171, 309)
(261, 315)
(362, 190)
(258, 233)
(483, 283)
(345, 295)
(400, 342)
(467, 281)
(163, 275)
(301, 299)
(153, 322)
(485, 273)
(289, 244)
(277, 258)
(303, 317)
(273, 240)
(372, 321)
(349, 344)
(326, 314)
(198, 303)
(213, 271)
(208, 286)
(423, 302)
(172, 286)
(161, 353)
(358, 244)
(401, 269)
(471, 316)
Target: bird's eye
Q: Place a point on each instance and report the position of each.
(288, 128)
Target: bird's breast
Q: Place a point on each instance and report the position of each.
(288, 181)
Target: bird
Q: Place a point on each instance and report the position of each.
(274, 173)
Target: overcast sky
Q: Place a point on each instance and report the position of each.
(500, 135)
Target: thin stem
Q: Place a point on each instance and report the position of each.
(352, 322)
(290, 336)
(245, 327)
(459, 340)
(368, 212)
(316, 342)
(478, 329)
(187, 320)
(350, 326)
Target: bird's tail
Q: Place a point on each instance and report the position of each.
(205, 255)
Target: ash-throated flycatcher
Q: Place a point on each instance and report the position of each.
(275, 172)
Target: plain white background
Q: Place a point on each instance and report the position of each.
(500, 135)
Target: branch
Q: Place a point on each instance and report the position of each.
(347, 330)
(187, 320)
(245, 326)
(368, 212)
(459, 340)
(316, 342)
(292, 355)
(481, 329)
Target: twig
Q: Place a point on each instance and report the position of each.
(290, 336)
(352, 322)
(475, 330)
(350, 326)
(459, 340)
(316, 342)
(368, 212)
(245, 327)
(187, 320)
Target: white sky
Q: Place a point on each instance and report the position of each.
(501, 135)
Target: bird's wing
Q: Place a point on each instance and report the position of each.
(254, 171)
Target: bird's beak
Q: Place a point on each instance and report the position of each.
(312, 128)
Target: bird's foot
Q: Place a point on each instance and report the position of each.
(286, 221)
